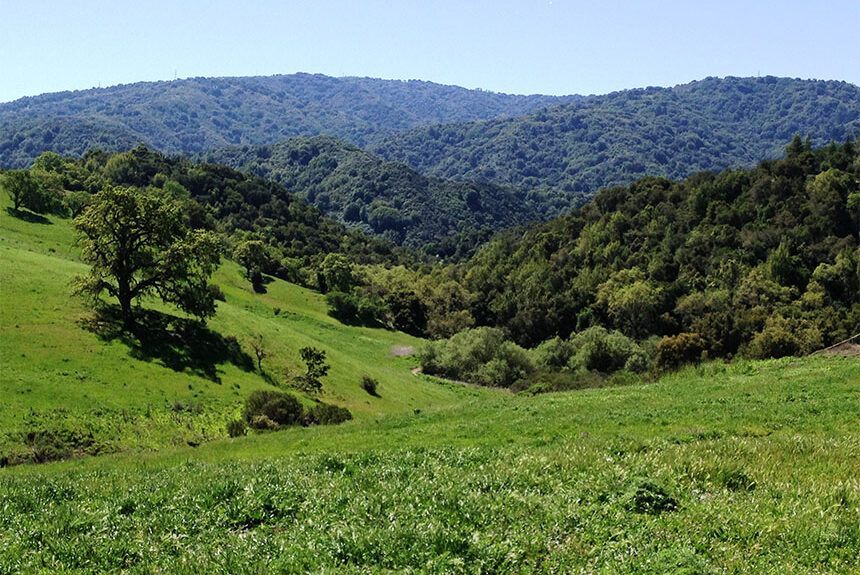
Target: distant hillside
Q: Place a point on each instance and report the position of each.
(387, 198)
(207, 113)
(614, 139)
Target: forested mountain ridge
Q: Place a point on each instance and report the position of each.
(387, 198)
(206, 113)
(614, 139)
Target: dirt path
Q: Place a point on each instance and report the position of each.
(401, 350)
(850, 346)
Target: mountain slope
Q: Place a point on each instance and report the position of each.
(613, 139)
(206, 113)
(387, 198)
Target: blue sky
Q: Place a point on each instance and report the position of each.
(515, 46)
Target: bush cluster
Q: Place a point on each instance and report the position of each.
(482, 355)
(677, 350)
(593, 349)
(272, 410)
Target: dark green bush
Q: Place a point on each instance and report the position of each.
(779, 338)
(278, 407)
(677, 350)
(481, 355)
(325, 414)
(369, 384)
(356, 308)
(598, 349)
(236, 428)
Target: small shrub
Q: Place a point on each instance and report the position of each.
(284, 410)
(549, 381)
(325, 414)
(54, 445)
(369, 384)
(677, 350)
(263, 423)
(597, 349)
(779, 338)
(277, 407)
(481, 355)
(553, 354)
(236, 428)
(217, 293)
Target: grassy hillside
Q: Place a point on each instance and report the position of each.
(98, 390)
(614, 139)
(746, 468)
(206, 113)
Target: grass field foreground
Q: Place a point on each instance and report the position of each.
(742, 468)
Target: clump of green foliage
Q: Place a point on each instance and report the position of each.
(326, 414)
(482, 355)
(266, 410)
(676, 350)
(369, 385)
(237, 427)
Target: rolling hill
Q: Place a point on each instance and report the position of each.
(207, 113)
(612, 140)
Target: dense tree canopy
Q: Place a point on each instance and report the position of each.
(387, 198)
(199, 114)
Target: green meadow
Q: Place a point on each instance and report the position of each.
(748, 467)
(64, 373)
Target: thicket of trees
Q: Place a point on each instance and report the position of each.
(264, 227)
(441, 217)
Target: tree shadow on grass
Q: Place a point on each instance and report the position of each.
(29, 217)
(181, 344)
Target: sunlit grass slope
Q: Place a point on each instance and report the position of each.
(748, 468)
(62, 374)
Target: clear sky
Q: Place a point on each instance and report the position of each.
(515, 46)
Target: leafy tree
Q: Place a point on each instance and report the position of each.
(22, 188)
(316, 368)
(254, 257)
(335, 274)
(138, 245)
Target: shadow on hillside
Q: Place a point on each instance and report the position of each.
(29, 217)
(179, 343)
